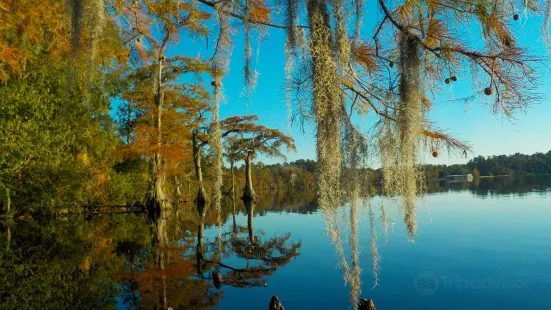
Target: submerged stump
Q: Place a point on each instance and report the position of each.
(366, 304)
(275, 304)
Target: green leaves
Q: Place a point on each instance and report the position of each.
(44, 128)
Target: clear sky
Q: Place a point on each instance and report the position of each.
(488, 134)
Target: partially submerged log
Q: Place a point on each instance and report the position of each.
(102, 210)
(366, 304)
(115, 209)
(275, 304)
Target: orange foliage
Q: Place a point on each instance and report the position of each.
(436, 139)
(365, 55)
(194, 13)
(259, 11)
(169, 277)
(436, 32)
(27, 27)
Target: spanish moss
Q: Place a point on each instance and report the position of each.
(221, 60)
(351, 275)
(216, 138)
(384, 220)
(375, 258)
(399, 143)
(547, 23)
(248, 50)
(294, 44)
(358, 12)
(291, 22)
(354, 278)
(342, 45)
(327, 105)
(289, 64)
(96, 19)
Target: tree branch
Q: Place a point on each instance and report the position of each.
(250, 20)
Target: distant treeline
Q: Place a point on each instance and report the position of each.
(297, 175)
(517, 164)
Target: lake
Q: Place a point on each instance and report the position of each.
(481, 245)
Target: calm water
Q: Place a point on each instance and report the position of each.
(478, 246)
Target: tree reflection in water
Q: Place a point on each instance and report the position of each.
(78, 262)
(162, 275)
(62, 264)
(261, 258)
(190, 271)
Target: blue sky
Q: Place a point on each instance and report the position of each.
(488, 134)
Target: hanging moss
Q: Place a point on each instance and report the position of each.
(294, 47)
(328, 109)
(400, 142)
(289, 64)
(547, 23)
(216, 144)
(389, 160)
(351, 275)
(248, 50)
(221, 59)
(375, 258)
(342, 45)
(327, 105)
(358, 16)
(384, 220)
(291, 22)
(89, 14)
(95, 19)
(355, 272)
(216, 138)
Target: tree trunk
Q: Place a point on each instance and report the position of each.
(233, 216)
(189, 189)
(178, 186)
(200, 247)
(128, 116)
(275, 304)
(201, 198)
(249, 194)
(249, 205)
(8, 232)
(232, 183)
(157, 200)
(160, 243)
(8, 200)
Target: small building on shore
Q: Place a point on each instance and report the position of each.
(460, 178)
